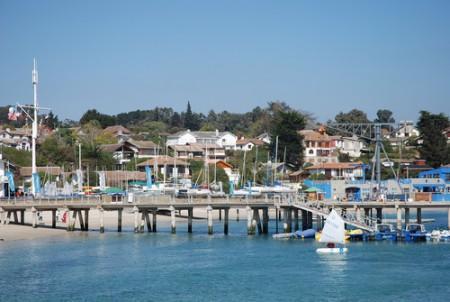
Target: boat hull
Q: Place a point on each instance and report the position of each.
(335, 250)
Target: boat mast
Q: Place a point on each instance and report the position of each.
(34, 134)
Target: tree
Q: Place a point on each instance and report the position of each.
(384, 116)
(51, 121)
(286, 126)
(104, 119)
(353, 116)
(434, 148)
(189, 122)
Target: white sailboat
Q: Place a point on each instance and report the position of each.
(333, 233)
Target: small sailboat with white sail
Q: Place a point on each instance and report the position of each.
(333, 234)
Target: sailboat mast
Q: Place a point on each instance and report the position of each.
(34, 134)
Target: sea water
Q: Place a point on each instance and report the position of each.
(197, 267)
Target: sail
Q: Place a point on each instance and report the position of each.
(333, 230)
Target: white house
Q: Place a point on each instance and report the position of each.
(248, 144)
(338, 170)
(18, 138)
(350, 145)
(225, 139)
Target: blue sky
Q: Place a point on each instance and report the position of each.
(318, 56)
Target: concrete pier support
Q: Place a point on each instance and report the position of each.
(310, 220)
(210, 220)
(296, 222)
(102, 219)
(358, 214)
(147, 221)
(367, 216)
(80, 218)
(173, 222)
(379, 215)
(136, 219)
(73, 221)
(53, 219)
(22, 217)
(2, 216)
(251, 229)
(225, 223)
(119, 220)
(155, 212)
(86, 220)
(304, 220)
(318, 222)
(68, 219)
(407, 216)
(257, 219)
(237, 214)
(34, 217)
(399, 218)
(285, 221)
(265, 221)
(142, 222)
(419, 215)
(220, 214)
(190, 216)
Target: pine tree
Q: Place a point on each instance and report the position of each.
(434, 148)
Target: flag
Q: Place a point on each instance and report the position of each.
(148, 173)
(37, 182)
(10, 177)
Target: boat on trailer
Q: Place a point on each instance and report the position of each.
(333, 233)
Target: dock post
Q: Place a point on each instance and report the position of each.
(266, 220)
(250, 228)
(290, 219)
(53, 219)
(2, 216)
(296, 224)
(220, 214)
(142, 223)
(237, 214)
(285, 221)
(80, 218)
(22, 216)
(148, 222)
(210, 220)
(276, 219)
(16, 218)
(406, 216)
(399, 218)
(225, 223)
(304, 220)
(173, 222)
(102, 224)
(86, 220)
(258, 220)
(119, 220)
(379, 215)
(155, 212)
(34, 214)
(190, 215)
(310, 220)
(419, 215)
(136, 219)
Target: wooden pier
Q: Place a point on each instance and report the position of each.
(287, 209)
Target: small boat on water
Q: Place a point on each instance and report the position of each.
(333, 233)
(439, 235)
(356, 235)
(309, 233)
(414, 232)
(385, 231)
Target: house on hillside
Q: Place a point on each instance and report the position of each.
(117, 131)
(265, 138)
(213, 152)
(168, 166)
(406, 131)
(19, 138)
(126, 150)
(226, 139)
(248, 144)
(350, 145)
(319, 147)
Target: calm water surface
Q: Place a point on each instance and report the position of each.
(198, 267)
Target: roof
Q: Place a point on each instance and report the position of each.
(311, 135)
(143, 144)
(117, 129)
(186, 148)
(163, 160)
(26, 171)
(223, 165)
(246, 141)
(201, 134)
(346, 165)
(110, 147)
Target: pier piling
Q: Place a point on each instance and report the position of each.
(258, 220)
(86, 220)
(119, 220)
(190, 215)
(250, 227)
(379, 215)
(304, 220)
(399, 218)
(225, 223)
(142, 224)
(102, 224)
(419, 215)
(173, 222)
(34, 217)
(22, 216)
(296, 224)
(237, 214)
(53, 219)
(266, 221)
(155, 212)
(210, 220)
(136, 219)
(147, 221)
(406, 216)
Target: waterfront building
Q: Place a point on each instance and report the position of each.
(213, 152)
(248, 144)
(124, 151)
(319, 147)
(346, 170)
(19, 138)
(168, 166)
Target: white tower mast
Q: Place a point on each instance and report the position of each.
(34, 133)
